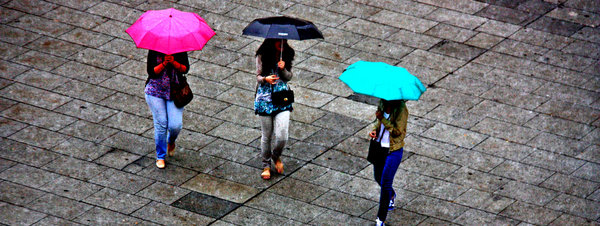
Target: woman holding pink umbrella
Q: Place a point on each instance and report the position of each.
(168, 34)
(166, 116)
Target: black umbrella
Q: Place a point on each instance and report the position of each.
(282, 27)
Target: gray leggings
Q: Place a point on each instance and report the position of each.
(269, 124)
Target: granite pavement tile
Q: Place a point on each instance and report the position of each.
(117, 201)
(100, 216)
(522, 172)
(587, 172)
(18, 194)
(570, 219)
(230, 151)
(205, 205)
(71, 188)
(588, 34)
(559, 126)
(530, 213)
(10, 126)
(165, 215)
(89, 131)
(474, 216)
(281, 205)
(163, 193)
(342, 162)
(117, 159)
(122, 181)
(16, 35)
(75, 168)
(34, 96)
(506, 131)
(18, 215)
(368, 28)
(576, 206)
(454, 135)
(471, 178)
(84, 91)
(87, 111)
(436, 207)
(554, 162)
(559, 144)
(418, 183)
(515, 97)
(83, 72)
(331, 217)
(220, 188)
(299, 190)
(54, 47)
(86, 38)
(504, 148)
(24, 153)
(249, 216)
(541, 38)
(242, 174)
(570, 185)
(128, 123)
(345, 203)
(41, 25)
(322, 176)
(130, 143)
(527, 193)
(50, 220)
(592, 154)
(39, 137)
(316, 14)
(59, 206)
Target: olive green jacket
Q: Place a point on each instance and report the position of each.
(396, 125)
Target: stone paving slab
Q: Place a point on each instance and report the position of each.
(507, 132)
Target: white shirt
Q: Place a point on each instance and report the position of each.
(384, 135)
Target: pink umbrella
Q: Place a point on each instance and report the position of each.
(170, 31)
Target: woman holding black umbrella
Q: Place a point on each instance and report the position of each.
(273, 71)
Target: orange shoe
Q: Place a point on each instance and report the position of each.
(171, 149)
(266, 174)
(160, 163)
(279, 166)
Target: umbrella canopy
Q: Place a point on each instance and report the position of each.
(282, 27)
(170, 31)
(382, 80)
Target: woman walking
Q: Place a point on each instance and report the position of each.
(389, 132)
(162, 69)
(273, 70)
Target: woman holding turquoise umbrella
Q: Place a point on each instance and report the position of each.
(388, 134)
(394, 85)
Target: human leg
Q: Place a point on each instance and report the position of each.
(174, 125)
(159, 116)
(281, 126)
(387, 179)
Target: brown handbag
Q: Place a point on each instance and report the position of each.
(181, 94)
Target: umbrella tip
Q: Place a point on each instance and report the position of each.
(170, 15)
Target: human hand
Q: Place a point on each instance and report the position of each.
(379, 114)
(373, 134)
(271, 79)
(281, 64)
(169, 59)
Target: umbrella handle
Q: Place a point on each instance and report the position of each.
(281, 52)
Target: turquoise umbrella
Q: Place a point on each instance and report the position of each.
(382, 80)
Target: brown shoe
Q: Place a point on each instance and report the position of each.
(266, 174)
(160, 163)
(171, 149)
(279, 166)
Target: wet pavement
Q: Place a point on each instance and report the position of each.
(508, 132)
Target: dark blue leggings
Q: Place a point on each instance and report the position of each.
(384, 175)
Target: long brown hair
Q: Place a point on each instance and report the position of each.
(269, 56)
